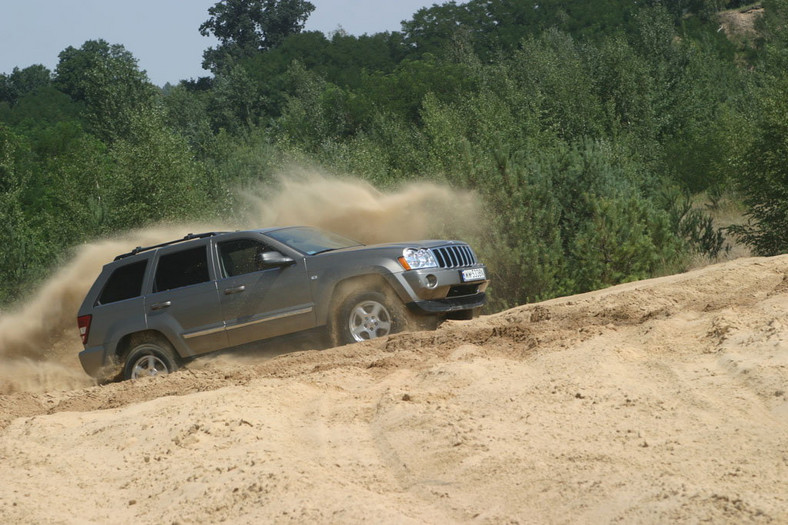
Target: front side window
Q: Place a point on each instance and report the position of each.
(124, 283)
(240, 257)
(183, 268)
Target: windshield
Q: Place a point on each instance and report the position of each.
(312, 241)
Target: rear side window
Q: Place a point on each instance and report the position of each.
(182, 268)
(124, 283)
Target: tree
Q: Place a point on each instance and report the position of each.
(154, 176)
(23, 81)
(24, 254)
(246, 27)
(235, 103)
(107, 80)
(185, 111)
(625, 239)
(432, 27)
(403, 90)
(762, 171)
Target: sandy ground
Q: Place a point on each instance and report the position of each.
(740, 23)
(652, 402)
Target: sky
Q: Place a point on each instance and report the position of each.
(163, 35)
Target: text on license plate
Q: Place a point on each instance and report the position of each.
(473, 274)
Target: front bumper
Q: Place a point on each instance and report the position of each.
(440, 290)
(448, 304)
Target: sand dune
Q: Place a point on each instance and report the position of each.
(662, 400)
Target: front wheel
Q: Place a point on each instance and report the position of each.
(148, 359)
(368, 315)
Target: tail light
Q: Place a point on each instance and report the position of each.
(83, 321)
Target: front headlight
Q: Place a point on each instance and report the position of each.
(413, 259)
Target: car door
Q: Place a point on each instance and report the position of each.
(260, 300)
(184, 303)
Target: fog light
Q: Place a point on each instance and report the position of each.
(432, 281)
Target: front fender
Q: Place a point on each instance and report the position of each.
(329, 287)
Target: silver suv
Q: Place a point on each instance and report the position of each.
(156, 306)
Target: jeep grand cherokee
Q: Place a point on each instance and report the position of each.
(156, 306)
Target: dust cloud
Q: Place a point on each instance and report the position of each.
(39, 341)
(358, 210)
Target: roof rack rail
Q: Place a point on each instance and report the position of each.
(189, 237)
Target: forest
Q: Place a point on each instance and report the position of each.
(601, 136)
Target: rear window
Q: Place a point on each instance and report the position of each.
(124, 283)
(183, 268)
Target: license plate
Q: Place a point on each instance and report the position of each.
(474, 274)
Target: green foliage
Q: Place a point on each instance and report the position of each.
(402, 91)
(524, 243)
(42, 108)
(305, 118)
(235, 102)
(501, 25)
(245, 27)
(565, 217)
(33, 204)
(153, 177)
(620, 242)
(70, 182)
(761, 170)
(554, 69)
(22, 82)
(237, 162)
(341, 60)
(763, 175)
(16, 235)
(583, 126)
(431, 27)
(772, 28)
(624, 84)
(107, 80)
(186, 112)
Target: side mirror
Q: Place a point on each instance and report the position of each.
(273, 259)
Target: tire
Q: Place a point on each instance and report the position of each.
(148, 358)
(368, 315)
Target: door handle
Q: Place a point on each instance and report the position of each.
(237, 289)
(161, 306)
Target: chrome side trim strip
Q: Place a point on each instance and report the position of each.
(272, 318)
(209, 331)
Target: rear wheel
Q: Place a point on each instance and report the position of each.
(149, 358)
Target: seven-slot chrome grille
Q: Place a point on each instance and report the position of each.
(455, 256)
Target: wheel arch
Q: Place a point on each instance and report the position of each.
(148, 353)
(372, 282)
(129, 341)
